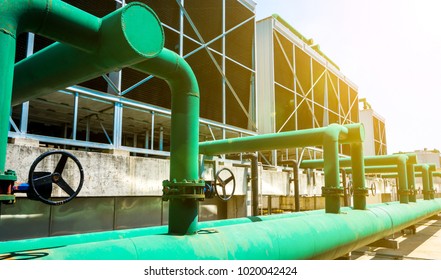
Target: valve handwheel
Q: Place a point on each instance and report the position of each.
(373, 189)
(38, 181)
(226, 182)
(350, 188)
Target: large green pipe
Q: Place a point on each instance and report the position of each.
(128, 38)
(320, 236)
(53, 19)
(66, 240)
(328, 137)
(401, 161)
(184, 172)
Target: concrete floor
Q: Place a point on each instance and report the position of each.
(425, 244)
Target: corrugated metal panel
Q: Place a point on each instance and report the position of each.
(133, 212)
(24, 219)
(83, 215)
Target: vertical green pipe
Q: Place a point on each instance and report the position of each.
(332, 189)
(432, 168)
(425, 174)
(402, 179)
(426, 181)
(184, 149)
(7, 56)
(358, 176)
(411, 182)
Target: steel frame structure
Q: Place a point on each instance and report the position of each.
(300, 85)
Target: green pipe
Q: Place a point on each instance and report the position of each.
(432, 168)
(53, 19)
(358, 181)
(320, 236)
(65, 240)
(332, 189)
(411, 182)
(328, 137)
(7, 48)
(127, 36)
(184, 169)
(424, 169)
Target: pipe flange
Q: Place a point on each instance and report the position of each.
(8, 175)
(193, 189)
(429, 192)
(404, 192)
(332, 191)
(361, 192)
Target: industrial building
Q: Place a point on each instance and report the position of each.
(272, 106)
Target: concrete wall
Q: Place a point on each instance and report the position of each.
(104, 174)
(122, 191)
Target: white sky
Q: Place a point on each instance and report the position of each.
(391, 49)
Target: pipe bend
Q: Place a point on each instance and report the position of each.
(356, 133)
(172, 68)
(402, 159)
(335, 133)
(53, 19)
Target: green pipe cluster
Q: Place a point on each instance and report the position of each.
(301, 236)
(401, 163)
(88, 47)
(329, 137)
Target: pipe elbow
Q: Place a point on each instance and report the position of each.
(402, 159)
(13, 19)
(356, 133)
(334, 133)
(53, 19)
(172, 68)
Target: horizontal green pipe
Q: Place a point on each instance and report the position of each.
(66, 240)
(377, 169)
(127, 36)
(282, 140)
(321, 236)
(368, 161)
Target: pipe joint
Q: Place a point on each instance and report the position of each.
(193, 189)
(335, 132)
(356, 133)
(361, 192)
(332, 191)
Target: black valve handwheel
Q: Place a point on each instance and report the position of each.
(225, 179)
(350, 188)
(38, 180)
(373, 189)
